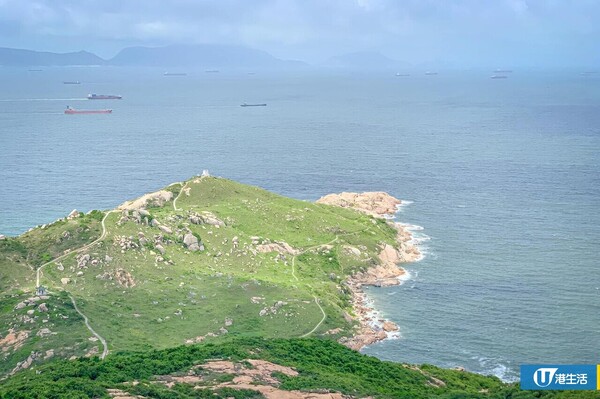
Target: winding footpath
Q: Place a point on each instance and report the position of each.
(85, 247)
(183, 186)
(317, 300)
(87, 324)
(314, 296)
(39, 270)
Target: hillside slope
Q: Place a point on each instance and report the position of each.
(198, 261)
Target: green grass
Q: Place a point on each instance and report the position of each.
(193, 294)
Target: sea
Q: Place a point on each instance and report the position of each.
(500, 178)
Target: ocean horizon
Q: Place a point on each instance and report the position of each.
(499, 179)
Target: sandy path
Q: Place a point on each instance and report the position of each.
(87, 324)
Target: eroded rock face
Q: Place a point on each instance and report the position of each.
(281, 247)
(259, 377)
(158, 198)
(124, 278)
(373, 203)
(25, 364)
(13, 340)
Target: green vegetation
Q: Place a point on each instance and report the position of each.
(322, 366)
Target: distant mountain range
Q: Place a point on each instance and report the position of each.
(18, 57)
(206, 55)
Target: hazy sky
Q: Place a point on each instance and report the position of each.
(459, 32)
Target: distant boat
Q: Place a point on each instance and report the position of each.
(212, 71)
(72, 82)
(72, 111)
(498, 77)
(430, 73)
(104, 97)
(503, 71)
(402, 74)
(174, 74)
(253, 105)
(35, 70)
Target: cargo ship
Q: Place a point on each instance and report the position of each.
(72, 82)
(174, 74)
(498, 77)
(104, 97)
(253, 105)
(72, 111)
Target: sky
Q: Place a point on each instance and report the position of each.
(463, 33)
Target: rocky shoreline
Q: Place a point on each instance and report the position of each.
(371, 327)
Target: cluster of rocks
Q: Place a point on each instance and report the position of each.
(139, 216)
(205, 218)
(42, 307)
(25, 364)
(83, 261)
(373, 203)
(44, 332)
(222, 331)
(271, 309)
(371, 328)
(120, 276)
(125, 243)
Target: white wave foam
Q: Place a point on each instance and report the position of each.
(497, 368)
(405, 277)
(418, 238)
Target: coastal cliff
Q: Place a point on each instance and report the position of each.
(371, 328)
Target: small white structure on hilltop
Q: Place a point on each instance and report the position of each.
(205, 173)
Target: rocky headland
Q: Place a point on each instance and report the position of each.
(372, 328)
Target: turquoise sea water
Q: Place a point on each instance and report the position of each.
(503, 175)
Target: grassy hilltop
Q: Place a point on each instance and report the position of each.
(203, 269)
(270, 267)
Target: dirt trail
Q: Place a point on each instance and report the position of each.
(87, 324)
